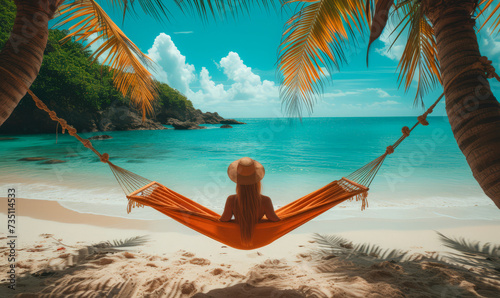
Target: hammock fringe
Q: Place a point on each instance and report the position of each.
(133, 204)
(363, 197)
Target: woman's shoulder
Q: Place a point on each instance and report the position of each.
(265, 198)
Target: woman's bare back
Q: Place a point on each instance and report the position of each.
(266, 209)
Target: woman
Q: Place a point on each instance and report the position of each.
(247, 205)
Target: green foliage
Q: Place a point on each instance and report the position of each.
(7, 15)
(171, 99)
(68, 81)
(67, 78)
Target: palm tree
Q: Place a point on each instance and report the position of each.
(440, 44)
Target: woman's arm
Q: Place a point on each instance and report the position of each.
(269, 209)
(228, 209)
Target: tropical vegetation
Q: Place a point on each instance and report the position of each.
(68, 82)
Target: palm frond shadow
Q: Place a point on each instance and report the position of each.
(332, 246)
(117, 245)
(484, 259)
(89, 253)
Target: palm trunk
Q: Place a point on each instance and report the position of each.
(21, 57)
(473, 110)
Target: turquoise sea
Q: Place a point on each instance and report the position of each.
(426, 173)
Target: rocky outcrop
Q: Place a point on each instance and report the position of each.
(122, 117)
(118, 116)
(226, 126)
(100, 137)
(170, 117)
(186, 125)
(32, 159)
(230, 121)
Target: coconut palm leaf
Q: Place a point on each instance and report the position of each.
(420, 54)
(377, 19)
(494, 15)
(126, 60)
(221, 8)
(155, 8)
(314, 38)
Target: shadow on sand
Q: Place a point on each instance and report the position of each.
(334, 268)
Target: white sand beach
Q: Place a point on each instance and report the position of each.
(55, 258)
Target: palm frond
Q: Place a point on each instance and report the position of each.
(485, 257)
(125, 59)
(420, 52)
(155, 8)
(494, 15)
(314, 38)
(377, 19)
(221, 8)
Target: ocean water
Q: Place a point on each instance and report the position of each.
(426, 176)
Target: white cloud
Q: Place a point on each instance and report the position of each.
(381, 93)
(242, 85)
(172, 67)
(384, 103)
(245, 84)
(340, 93)
(396, 51)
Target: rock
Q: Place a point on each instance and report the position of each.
(226, 126)
(230, 121)
(28, 118)
(123, 117)
(172, 121)
(53, 161)
(101, 137)
(32, 159)
(186, 126)
(7, 139)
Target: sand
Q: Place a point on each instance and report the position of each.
(57, 257)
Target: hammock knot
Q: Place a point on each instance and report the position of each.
(406, 131)
(488, 67)
(71, 130)
(53, 115)
(389, 150)
(422, 119)
(87, 143)
(104, 158)
(40, 105)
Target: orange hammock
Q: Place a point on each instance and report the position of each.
(143, 192)
(206, 221)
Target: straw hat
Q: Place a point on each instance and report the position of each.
(245, 171)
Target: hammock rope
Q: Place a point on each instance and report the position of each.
(142, 192)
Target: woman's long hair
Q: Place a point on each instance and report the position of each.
(247, 209)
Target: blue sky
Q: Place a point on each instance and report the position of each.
(229, 66)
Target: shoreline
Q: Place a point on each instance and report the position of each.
(52, 211)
